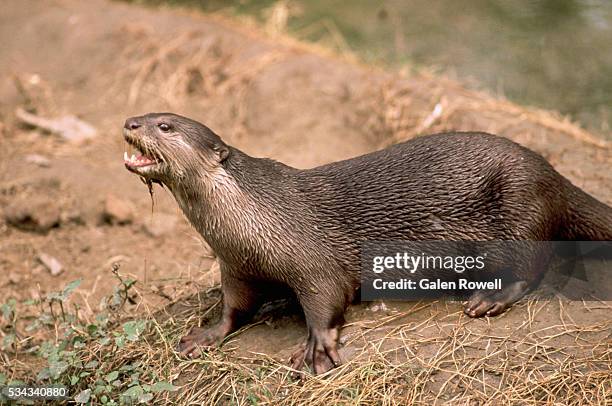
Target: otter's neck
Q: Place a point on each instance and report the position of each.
(209, 201)
(230, 205)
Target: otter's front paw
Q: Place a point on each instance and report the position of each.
(320, 351)
(198, 339)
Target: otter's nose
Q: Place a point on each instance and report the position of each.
(131, 123)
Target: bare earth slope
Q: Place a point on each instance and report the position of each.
(105, 61)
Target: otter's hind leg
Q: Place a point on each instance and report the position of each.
(324, 318)
(241, 300)
(529, 259)
(492, 303)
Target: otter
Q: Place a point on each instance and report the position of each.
(275, 227)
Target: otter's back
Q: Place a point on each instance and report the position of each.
(444, 186)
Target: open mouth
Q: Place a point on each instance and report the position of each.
(138, 161)
(141, 159)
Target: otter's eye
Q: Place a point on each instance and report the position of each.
(164, 127)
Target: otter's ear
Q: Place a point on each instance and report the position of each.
(222, 152)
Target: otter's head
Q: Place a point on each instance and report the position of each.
(171, 147)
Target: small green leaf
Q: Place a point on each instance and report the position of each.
(44, 374)
(83, 396)
(133, 392)
(112, 376)
(134, 328)
(8, 309)
(102, 319)
(54, 296)
(91, 364)
(135, 377)
(120, 341)
(253, 399)
(56, 368)
(70, 287)
(116, 300)
(163, 386)
(8, 341)
(35, 325)
(128, 367)
(47, 319)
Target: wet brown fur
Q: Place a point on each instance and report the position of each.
(272, 225)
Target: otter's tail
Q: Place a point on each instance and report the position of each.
(588, 219)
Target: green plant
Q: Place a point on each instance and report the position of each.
(79, 353)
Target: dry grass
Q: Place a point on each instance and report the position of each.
(460, 365)
(438, 104)
(427, 353)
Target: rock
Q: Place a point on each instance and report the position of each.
(14, 278)
(39, 160)
(51, 263)
(160, 224)
(72, 216)
(117, 211)
(32, 215)
(38, 269)
(68, 127)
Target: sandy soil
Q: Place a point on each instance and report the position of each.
(270, 97)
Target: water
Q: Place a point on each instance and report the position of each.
(555, 54)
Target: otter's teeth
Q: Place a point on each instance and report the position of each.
(125, 156)
(133, 158)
